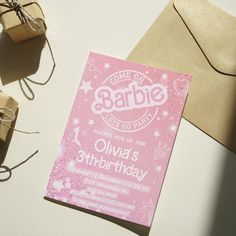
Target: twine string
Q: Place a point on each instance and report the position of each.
(53, 67)
(23, 15)
(26, 17)
(4, 169)
(9, 113)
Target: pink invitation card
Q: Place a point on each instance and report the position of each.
(119, 137)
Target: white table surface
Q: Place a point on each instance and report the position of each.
(198, 197)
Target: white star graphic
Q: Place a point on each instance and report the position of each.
(91, 122)
(58, 185)
(158, 169)
(107, 66)
(86, 86)
(157, 133)
(164, 77)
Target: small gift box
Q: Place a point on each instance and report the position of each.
(22, 19)
(8, 108)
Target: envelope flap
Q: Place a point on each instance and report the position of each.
(213, 29)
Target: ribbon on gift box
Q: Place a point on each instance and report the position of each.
(22, 13)
(26, 17)
(10, 117)
(9, 113)
(8, 109)
(7, 116)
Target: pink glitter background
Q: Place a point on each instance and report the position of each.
(120, 190)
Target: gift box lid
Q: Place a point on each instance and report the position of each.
(9, 103)
(9, 19)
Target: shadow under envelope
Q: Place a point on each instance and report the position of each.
(224, 217)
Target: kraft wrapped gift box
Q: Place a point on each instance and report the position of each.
(22, 19)
(8, 107)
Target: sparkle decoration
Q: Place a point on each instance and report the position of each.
(65, 199)
(61, 151)
(91, 122)
(68, 183)
(107, 66)
(165, 113)
(76, 121)
(86, 86)
(159, 169)
(147, 211)
(71, 166)
(58, 185)
(157, 133)
(164, 77)
(173, 128)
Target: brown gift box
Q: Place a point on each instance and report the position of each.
(6, 102)
(20, 26)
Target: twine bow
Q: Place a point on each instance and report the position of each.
(23, 15)
(27, 19)
(10, 117)
(8, 113)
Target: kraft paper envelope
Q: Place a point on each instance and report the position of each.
(199, 38)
